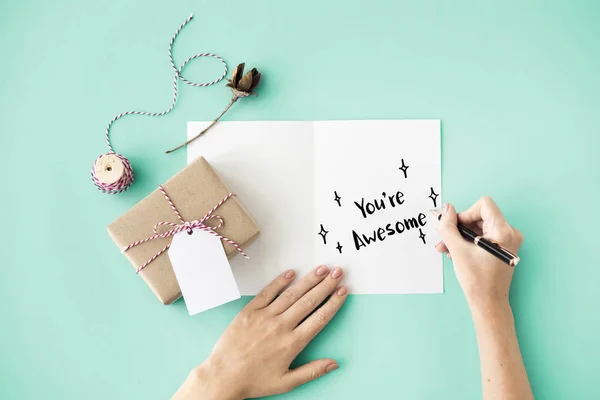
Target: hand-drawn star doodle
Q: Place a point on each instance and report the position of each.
(339, 247)
(403, 168)
(422, 236)
(337, 198)
(323, 234)
(433, 196)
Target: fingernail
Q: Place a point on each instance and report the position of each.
(331, 367)
(336, 273)
(289, 274)
(342, 291)
(446, 208)
(439, 243)
(322, 270)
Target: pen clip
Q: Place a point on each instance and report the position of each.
(515, 257)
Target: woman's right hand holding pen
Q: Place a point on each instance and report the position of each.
(485, 281)
(484, 278)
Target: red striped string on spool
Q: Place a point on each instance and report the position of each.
(112, 172)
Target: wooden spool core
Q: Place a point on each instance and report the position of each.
(109, 169)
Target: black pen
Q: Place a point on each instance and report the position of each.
(491, 247)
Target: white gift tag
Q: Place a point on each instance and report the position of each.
(202, 270)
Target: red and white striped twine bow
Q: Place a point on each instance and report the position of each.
(185, 226)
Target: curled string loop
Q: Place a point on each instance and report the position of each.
(176, 79)
(125, 181)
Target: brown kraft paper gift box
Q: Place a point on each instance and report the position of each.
(194, 191)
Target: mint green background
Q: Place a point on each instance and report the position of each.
(516, 84)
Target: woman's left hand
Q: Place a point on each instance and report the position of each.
(253, 357)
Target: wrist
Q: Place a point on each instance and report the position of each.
(490, 310)
(483, 301)
(216, 383)
(203, 383)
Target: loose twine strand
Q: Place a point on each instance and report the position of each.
(127, 178)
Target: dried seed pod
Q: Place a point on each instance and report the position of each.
(241, 85)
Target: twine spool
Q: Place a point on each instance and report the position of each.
(112, 173)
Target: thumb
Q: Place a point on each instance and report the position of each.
(447, 228)
(309, 372)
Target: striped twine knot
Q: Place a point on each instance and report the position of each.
(188, 226)
(125, 182)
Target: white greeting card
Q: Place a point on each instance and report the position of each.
(351, 193)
